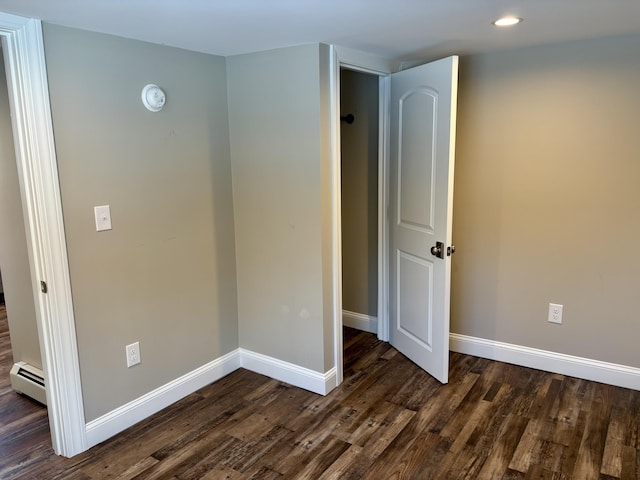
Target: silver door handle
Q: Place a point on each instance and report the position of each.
(438, 250)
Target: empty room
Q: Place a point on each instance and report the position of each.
(319, 240)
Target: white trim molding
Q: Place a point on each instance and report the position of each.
(365, 62)
(336, 211)
(127, 415)
(46, 244)
(321, 383)
(342, 57)
(586, 368)
(123, 417)
(384, 125)
(360, 321)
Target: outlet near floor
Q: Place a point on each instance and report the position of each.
(133, 354)
(555, 313)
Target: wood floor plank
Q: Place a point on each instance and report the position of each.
(550, 455)
(309, 441)
(513, 475)
(612, 456)
(328, 452)
(137, 468)
(539, 473)
(523, 454)
(465, 465)
(589, 460)
(255, 452)
(409, 464)
(465, 410)
(459, 441)
(394, 424)
(347, 465)
(362, 430)
(223, 473)
(629, 463)
(187, 454)
(220, 454)
(488, 429)
(571, 454)
(159, 439)
(429, 461)
(504, 448)
(443, 404)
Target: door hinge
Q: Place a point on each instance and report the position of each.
(43, 286)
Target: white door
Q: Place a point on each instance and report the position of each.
(423, 119)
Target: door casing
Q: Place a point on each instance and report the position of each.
(357, 61)
(341, 57)
(46, 245)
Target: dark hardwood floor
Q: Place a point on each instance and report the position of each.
(388, 420)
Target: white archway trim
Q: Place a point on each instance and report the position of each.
(37, 170)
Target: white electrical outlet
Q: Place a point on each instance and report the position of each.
(555, 313)
(133, 354)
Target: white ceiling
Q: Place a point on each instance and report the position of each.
(397, 29)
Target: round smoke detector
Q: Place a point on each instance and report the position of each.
(153, 97)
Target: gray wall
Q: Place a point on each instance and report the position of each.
(547, 198)
(278, 116)
(359, 145)
(14, 259)
(165, 275)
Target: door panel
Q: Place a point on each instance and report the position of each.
(416, 162)
(423, 106)
(413, 306)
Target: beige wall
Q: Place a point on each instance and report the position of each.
(280, 160)
(14, 259)
(545, 208)
(165, 275)
(547, 198)
(359, 145)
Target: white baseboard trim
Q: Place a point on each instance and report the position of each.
(588, 369)
(127, 415)
(311, 380)
(360, 321)
(131, 413)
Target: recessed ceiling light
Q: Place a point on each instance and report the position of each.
(507, 21)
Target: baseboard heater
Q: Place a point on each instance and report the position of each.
(28, 380)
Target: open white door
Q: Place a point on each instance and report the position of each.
(423, 119)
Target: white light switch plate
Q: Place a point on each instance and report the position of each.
(103, 218)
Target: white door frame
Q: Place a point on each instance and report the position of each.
(42, 208)
(353, 60)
